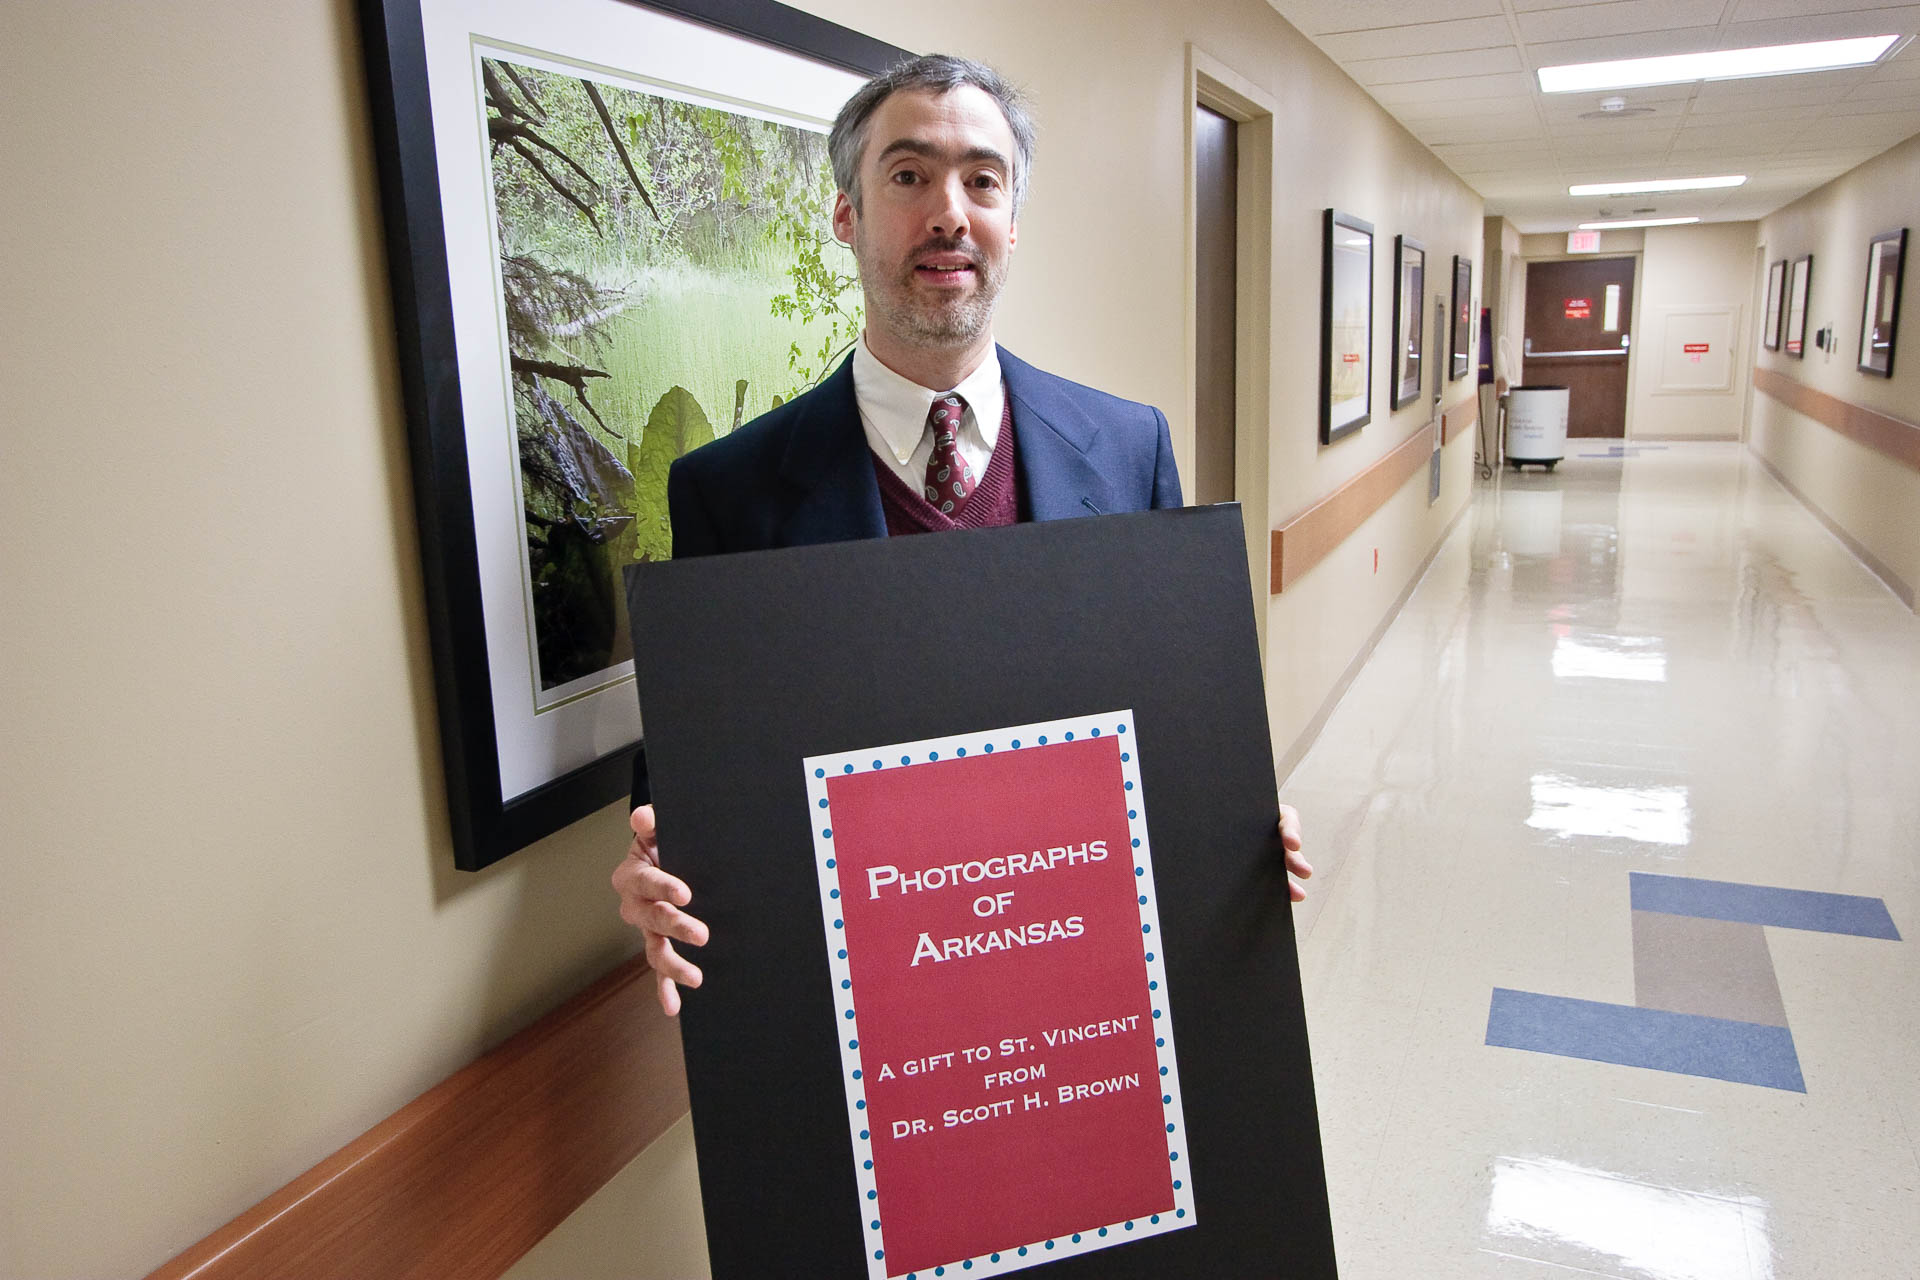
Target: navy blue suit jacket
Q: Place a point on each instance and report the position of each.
(803, 473)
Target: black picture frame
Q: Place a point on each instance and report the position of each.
(1799, 289)
(1460, 343)
(1774, 313)
(486, 822)
(1408, 337)
(1880, 302)
(1346, 325)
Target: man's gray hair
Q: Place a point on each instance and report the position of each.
(933, 73)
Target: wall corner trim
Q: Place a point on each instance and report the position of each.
(474, 1172)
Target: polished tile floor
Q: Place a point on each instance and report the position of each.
(1655, 663)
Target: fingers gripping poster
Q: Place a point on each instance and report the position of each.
(1001, 1002)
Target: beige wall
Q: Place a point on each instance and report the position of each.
(231, 938)
(1869, 496)
(1695, 286)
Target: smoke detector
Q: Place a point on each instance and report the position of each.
(1615, 108)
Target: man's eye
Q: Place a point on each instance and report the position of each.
(906, 177)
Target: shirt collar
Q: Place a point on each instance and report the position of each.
(896, 407)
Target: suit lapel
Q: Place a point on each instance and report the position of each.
(1054, 436)
(830, 467)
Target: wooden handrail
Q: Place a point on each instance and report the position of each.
(1895, 437)
(474, 1172)
(1311, 536)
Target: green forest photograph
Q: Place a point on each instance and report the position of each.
(666, 274)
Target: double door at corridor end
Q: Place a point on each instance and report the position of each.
(1579, 315)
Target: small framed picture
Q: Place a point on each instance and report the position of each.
(1799, 278)
(1770, 314)
(1346, 326)
(1409, 319)
(1460, 347)
(1880, 309)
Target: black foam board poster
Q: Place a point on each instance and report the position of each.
(1002, 972)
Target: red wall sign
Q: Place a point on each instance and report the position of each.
(1000, 997)
(1693, 348)
(1579, 308)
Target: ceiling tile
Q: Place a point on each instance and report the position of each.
(1760, 10)
(1320, 17)
(1425, 113)
(1473, 132)
(1434, 66)
(1647, 44)
(1904, 65)
(1455, 88)
(1423, 37)
(1621, 18)
(1822, 26)
(1884, 90)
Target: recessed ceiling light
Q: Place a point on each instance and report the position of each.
(1719, 64)
(1659, 184)
(1635, 222)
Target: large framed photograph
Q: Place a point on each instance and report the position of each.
(1880, 309)
(1409, 319)
(607, 227)
(1346, 326)
(1771, 314)
(1799, 280)
(1460, 345)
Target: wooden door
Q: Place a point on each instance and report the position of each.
(1578, 319)
(1216, 178)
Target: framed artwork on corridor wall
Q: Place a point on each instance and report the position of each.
(1776, 294)
(1799, 280)
(598, 216)
(1459, 346)
(1409, 319)
(1880, 309)
(1346, 326)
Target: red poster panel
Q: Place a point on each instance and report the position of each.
(1579, 308)
(1006, 1041)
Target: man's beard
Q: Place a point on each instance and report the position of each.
(895, 304)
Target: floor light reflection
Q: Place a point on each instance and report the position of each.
(1604, 657)
(1652, 815)
(1564, 1213)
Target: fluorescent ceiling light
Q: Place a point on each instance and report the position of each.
(1720, 64)
(1636, 222)
(1662, 184)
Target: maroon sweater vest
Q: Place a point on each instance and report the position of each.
(994, 502)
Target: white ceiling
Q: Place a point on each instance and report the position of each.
(1460, 78)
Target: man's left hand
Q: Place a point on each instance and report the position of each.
(1290, 841)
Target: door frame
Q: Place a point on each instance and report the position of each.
(1211, 83)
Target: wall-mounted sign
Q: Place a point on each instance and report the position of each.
(1694, 350)
(1583, 242)
(1579, 308)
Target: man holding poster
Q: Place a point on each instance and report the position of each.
(910, 434)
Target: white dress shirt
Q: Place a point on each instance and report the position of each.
(894, 409)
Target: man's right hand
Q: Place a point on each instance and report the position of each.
(651, 901)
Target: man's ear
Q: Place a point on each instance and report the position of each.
(844, 218)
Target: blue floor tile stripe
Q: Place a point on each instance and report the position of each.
(1686, 1043)
(1759, 904)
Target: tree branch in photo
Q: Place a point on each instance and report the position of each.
(586, 210)
(613, 136)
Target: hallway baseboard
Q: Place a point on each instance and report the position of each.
(1877, 567)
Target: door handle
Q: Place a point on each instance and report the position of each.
(1546, 355)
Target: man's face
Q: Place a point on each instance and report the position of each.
(935, 231)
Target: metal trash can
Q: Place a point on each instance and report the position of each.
(1536, 426)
